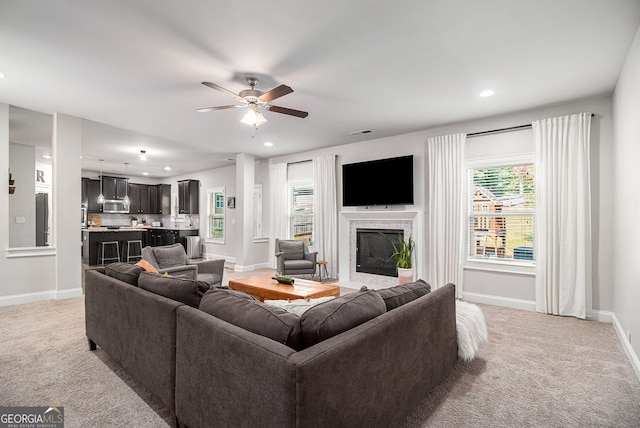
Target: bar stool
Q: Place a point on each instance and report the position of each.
(113, 246)
(135, 244)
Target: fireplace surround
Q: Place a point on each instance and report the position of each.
(406, 221)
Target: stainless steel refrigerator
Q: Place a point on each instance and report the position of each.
(42, 220)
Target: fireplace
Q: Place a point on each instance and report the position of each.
(374, 252)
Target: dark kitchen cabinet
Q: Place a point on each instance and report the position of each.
(189, 196)
(139, 197)
(162, 199)
(114, 187)
(90, 192)
(158, 237)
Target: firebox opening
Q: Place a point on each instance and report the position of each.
(374, 252)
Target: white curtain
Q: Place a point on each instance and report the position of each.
(325, 211)
(445, 209)
(278, 198)
(563, 215)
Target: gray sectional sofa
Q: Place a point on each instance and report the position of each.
(212, 372)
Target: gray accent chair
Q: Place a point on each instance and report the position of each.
(293, 257)
(173, 260)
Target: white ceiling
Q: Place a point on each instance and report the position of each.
(393, 67)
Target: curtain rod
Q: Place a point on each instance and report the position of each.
(509, 129)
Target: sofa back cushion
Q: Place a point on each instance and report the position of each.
(293, 250)
(399, 295)
(250, 314)
(170, 256)
(335, 316)
(124, 272)
(187, 291)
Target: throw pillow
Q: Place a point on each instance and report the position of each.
(399, 295)
(293, 250)
(147, 266)
(187, 291)
(335, 316)
(124, 272)
(170, 256)
(297, 306)
(254, 316)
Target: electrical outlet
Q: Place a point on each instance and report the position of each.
(21, 220)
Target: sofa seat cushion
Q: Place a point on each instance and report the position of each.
(292, 250)
(252, 315)
(298, 306)
(170, 256)
(298, 264)
(124, 272)
(210, 278)
(399, 295)
(187, 291)
(335, 316)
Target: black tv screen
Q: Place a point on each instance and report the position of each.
(378, 182)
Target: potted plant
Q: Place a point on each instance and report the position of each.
(403, 255)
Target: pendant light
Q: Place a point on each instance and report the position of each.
(101, 195)
(126, 200)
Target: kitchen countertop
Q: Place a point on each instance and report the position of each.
(134, 229)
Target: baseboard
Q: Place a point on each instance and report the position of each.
(18, 299)
(69, 294)
(506, 302)
(601, 316)
(633, 357)
(227, 259)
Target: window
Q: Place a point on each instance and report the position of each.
(301, 211)
(502, 213)
(215, 215)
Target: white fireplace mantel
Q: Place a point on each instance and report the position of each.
(409, 221)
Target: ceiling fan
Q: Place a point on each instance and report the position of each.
(256, 100)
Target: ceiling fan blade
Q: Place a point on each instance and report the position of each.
(278, 92)
(289, 111)
(206, 109)
(221, 89)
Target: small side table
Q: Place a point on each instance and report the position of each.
(322, 264)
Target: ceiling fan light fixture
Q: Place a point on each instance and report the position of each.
(254, 118)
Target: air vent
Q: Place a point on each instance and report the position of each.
(364, 131)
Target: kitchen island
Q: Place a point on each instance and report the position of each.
(150, 236)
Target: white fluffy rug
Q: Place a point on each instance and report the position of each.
(471, 329)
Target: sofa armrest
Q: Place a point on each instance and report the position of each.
(190, 271)
(312, 256)
(210, 266)
(136, 328)
(219, 367)
(394, 360)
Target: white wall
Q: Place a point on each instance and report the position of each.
(626, 203)
(48, 272)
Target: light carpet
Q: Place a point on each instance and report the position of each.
(535, 371)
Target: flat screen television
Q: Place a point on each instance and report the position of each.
(378, 182)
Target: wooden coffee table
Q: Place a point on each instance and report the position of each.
(264, 287)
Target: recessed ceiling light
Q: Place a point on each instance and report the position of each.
(487, 93)
(167, 168)
(268, 144)
(1, 75)
(145, 173)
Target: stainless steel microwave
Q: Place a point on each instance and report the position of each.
(115, 206)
